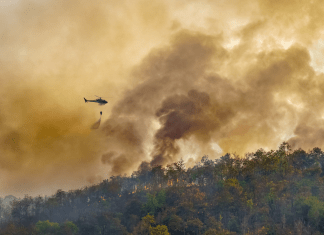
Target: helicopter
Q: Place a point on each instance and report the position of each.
(99, 101)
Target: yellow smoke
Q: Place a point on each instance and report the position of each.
(256, 60)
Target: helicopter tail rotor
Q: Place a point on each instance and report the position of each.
(85, 100)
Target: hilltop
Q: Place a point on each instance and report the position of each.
(266, 192)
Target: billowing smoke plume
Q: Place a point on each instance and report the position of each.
(182, 116)
(169, 75)
(183, 91)
(187, 78)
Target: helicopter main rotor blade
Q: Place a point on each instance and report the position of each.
(102, 96)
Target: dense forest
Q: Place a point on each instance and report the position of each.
(266, 192)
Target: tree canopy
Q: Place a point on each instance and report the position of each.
(266, 192)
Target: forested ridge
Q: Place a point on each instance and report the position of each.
(266, 192)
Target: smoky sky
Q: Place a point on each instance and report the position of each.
(182, 77)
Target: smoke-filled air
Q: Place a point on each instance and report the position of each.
(183, 79)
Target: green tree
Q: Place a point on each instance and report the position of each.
(310, 209)
(69, 228)
(154, 203)
(161, 196)
(48, 228)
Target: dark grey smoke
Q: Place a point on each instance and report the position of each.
(180, 117)
(181, 88)
(169, 76)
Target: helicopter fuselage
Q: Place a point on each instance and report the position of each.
(99, 101)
